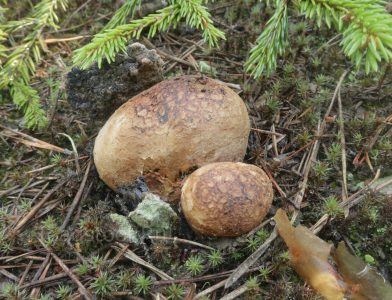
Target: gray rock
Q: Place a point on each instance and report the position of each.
(125, 230)
(155, 216)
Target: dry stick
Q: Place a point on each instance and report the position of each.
(247, 263)
(29, 187)
(35, 292)
(71, 275)
(236, 293)
(167, 55)
(3, 193)
(22, 255)
(77, 198)
(343, 143)
(132, 256)
(9, 275)
(244, 266)
(36, 208)
(39, 272)
(24, 188)
(44, 281)
(118, 256)
(208, 277)
(26, 271)
(183, 241)
(210, 289)
(34, 142)
(267, 132)
(313, 156)
(184, 55)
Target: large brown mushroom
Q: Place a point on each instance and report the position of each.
(177, 125)
(226, 199)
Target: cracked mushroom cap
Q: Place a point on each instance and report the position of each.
(226, 199)
(177, 125)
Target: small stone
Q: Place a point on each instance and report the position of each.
(154, 215)
(125, 230)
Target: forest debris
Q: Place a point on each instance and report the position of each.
(247, 263)
(77, 198)
(137, 259)
(154, 215)
(100, 91)
(364, 281)
(176, 240)
(309, 257)
(32, 141)
(82, 290)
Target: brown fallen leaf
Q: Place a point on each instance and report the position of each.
(364, 282)
(309, 257)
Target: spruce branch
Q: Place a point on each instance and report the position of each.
(106, 44)
(270, 44)
(128, 9)
(365, 24)
(20, 64)
(27, 99)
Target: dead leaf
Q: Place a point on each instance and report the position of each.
(309, 257)
(364, 282)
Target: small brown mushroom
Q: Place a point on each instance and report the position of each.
(177, 125)
(226, 199)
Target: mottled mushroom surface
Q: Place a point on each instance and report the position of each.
(226, 199)
(176, 125)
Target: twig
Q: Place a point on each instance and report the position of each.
(343, 143)
(236, 293)
(118, 256)
(35, 292)
(210, 289)
(247, 263)
(36, 208)
(268, 132)
(132, 256)
(9, 275)
(167, 55)
(49, 279)
(183, 241)
(71, 275)
(202, 278)
(77, 198)
(34, 142)
(26, 271)
(313, 156)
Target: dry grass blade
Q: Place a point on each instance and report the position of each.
(246, 264)
(33, 211)
(176, 240)
(77, 198)
(87, 295)
(32, 141)
(343, 143)
(135, 258)
(236, 293)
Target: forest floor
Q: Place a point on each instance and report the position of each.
(289, 112)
